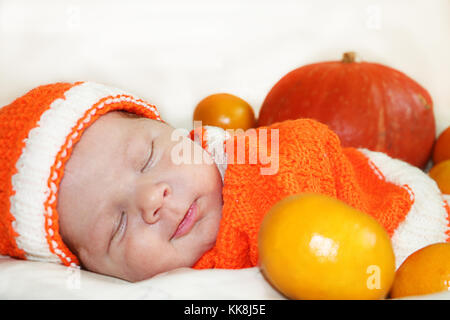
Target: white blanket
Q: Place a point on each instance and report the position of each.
(36, 280)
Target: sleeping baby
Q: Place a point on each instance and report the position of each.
(92, 177)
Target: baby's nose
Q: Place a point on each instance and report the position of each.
(151, 199)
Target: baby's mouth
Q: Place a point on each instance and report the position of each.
(187, 222)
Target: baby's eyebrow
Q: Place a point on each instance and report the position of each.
(127, 144)
(128, 154)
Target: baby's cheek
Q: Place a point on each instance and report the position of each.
(146, 257)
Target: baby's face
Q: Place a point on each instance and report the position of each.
(122, 199)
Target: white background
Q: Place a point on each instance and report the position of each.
(174, 53)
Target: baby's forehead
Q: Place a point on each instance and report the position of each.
(111, 134)
(108, 138)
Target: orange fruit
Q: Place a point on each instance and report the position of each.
(226, 111)
(441, 149)
(441, 174)
(425, 271)
(313, 246)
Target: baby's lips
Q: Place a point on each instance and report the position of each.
(187, 221)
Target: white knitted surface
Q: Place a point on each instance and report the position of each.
(215, 138)
(426, 223)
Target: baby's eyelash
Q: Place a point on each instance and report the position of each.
(149, 158)
(122, 224)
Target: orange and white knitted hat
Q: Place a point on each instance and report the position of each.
(37, 134)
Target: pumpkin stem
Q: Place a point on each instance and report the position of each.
(349, 57)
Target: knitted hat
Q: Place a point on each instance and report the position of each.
(37, 134)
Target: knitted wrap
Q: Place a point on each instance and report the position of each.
(310, 159)
(37, 135)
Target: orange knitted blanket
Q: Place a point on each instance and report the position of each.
(310, 159)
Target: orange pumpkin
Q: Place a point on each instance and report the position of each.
(368, 105)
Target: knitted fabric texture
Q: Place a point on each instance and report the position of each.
(310, 159)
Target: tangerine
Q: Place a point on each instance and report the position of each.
(441, 174)
(312, 246)
(441, 149)
(425, 271)
(226, 111)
